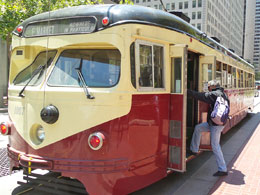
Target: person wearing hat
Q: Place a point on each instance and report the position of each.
(214, 91)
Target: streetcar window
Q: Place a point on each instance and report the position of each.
(150, 65)
(132, 59)
(218, 72)
(246, 79)
(100, 68)
(158, 66)
(177, 74)
(146, 66)
(224, 78)
(234, 77)
(41, 60)
(207, 73)
(250, 80)
(242, 78)
(229, 77)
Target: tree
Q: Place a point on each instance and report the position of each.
(14, 12)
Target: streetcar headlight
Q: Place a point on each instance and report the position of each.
(37, 134)
(40, 133)
(96, 140)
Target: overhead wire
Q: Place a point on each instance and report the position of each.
(47, 50)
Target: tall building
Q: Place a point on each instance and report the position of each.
(252, 33)
(222, 19)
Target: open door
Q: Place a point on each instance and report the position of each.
(177, 126)
(207, 70)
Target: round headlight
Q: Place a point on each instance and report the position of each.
(37, 134)
(40, 133)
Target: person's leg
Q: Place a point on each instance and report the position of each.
(215, 133)
(195, 142)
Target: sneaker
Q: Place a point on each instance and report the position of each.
(220, 173)
(190, 152)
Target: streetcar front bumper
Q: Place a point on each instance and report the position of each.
(30, 161)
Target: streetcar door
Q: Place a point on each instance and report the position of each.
(207, 68)
(177, 126)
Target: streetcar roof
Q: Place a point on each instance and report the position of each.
(121, 14)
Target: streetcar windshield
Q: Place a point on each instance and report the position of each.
(99, 68)
(41, 60)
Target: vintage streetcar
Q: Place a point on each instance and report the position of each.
(98, 94)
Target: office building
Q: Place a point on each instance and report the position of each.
(252, 33)
(222, 19)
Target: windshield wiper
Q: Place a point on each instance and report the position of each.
(81, 78)
(35, 72)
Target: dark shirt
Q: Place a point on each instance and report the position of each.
(209, 98)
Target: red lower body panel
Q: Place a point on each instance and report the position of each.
(133, 156)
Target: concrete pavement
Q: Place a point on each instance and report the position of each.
(244, 170)
(202, 182)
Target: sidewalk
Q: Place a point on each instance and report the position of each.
(244, 171)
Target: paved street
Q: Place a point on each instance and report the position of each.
(4, 162)
(241, 151)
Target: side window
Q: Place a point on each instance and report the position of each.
(132, 61)
(239, 78)
(224, 78)
(242, 78)
(158, 66)
(234, 77)
(218, 72)
(246, 79)
(207, 73)
(146, 66)
(176, 74)
(250, 84)
(149, 65)
(229, 77)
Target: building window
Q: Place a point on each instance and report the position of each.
(199, 3)
(180, 5)
(199, 15)
(160, 7)
(156, 6)
(194, 3)
(144, 1)
(137, 1)
(193, 15)
(199, 26)
(173, 6)
(168, 6)
(208, 28)
(186, 5)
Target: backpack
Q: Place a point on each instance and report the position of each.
(219, 115)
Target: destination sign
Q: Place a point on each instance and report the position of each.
(61, 26)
